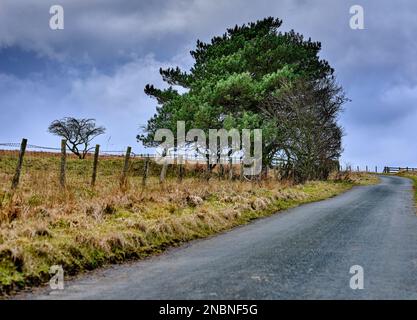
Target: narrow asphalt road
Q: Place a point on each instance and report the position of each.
(303, 253)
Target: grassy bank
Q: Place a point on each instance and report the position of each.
(82, 228)
(413, 176)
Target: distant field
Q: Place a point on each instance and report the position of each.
(82, 228)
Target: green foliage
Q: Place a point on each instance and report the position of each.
(233, 77)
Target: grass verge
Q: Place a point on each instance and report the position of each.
(413, 176)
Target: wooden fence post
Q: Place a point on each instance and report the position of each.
(241, 169)
(16, 177)
(163, 171)
(221, 171)
(293, 172)
(195, 166)
(208, 167)
(123, 179)
(62, 175)
(95, 164)
(276, 172)
(145, 171)
(230, 168)
(181, 168)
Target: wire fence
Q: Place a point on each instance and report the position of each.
(231, 167)
(17, 145)
(190, 157)
(174, 156)
(18, 159)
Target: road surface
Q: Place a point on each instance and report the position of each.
(302, 253)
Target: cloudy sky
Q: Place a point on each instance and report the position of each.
(109, 50)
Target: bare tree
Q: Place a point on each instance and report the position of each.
(310, 140)
(78, 133)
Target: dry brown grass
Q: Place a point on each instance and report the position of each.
(82, 228)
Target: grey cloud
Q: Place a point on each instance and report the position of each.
(377, 66)
(117, 101)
